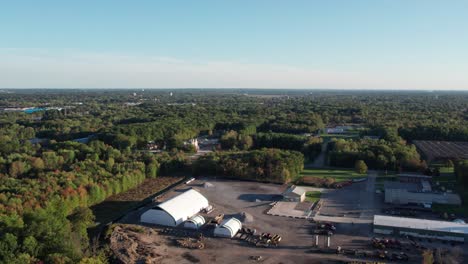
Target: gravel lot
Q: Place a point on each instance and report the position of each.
(234, 197)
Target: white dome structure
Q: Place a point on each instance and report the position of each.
(228, 228)
(194, 222)
(176, 210)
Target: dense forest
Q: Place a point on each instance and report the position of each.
(62, 151)
(265, 165)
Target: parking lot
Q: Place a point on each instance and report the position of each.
(357, 203)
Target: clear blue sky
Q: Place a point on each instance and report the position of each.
(401, 44)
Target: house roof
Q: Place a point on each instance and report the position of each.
(421, 224)
(295, 190)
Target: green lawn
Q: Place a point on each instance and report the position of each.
(313, 196)
(338, 175)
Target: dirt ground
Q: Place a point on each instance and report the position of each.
(234, 197)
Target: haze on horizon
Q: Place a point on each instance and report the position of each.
(234, 44)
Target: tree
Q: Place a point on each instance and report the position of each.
(152, 169)
(360, 167)
(37, 164)
(17, 168)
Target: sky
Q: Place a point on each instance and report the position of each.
(338, 44)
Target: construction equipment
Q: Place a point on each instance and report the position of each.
(256, 258)
(217, 219)
(386, 243)
(323, 232)
(190, 243)
(326, 226)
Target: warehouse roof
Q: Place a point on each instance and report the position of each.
(233, 224)
(412, 187)
(184, 205)
(415, 176)
(421, 224)
(399, 196)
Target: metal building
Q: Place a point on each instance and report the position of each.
(176, 210)
(443, 230)
(399, 196)
(294, 194)
(195, 222)
(228, 228)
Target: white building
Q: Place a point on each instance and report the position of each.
(294, 194)
(443, 230)
(228, 228)
(176, 210)
(195, 222)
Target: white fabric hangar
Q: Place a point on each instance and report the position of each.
(228, 228)
(176, 210)
(194, 222)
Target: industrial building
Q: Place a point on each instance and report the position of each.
(228, 228)
(413, 178)
(294, 194)
(403, 197)
(443, 230)
(176, 210)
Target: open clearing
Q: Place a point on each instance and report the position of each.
(337, 175)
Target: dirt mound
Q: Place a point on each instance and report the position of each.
(137, 244)
(246, 217)
(208, 185)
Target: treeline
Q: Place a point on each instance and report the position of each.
(377, 154)
(435, 132)
(309, 146)
(265, 165)
(461, 172)
(294, 124)
(46, 192)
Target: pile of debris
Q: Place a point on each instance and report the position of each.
(191, 243)
(136, 244)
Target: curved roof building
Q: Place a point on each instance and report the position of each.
(228, 228)
(176, 210)
(194, 222)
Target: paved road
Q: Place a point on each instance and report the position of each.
(346, 220)
(367, 203)
(320, 160)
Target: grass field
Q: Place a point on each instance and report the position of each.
(313, 196)
(337, 175)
